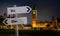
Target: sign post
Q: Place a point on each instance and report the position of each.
(15, 21)
(17, 33)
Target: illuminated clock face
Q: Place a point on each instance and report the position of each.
(34, 12)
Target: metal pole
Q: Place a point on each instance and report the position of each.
(17, 33)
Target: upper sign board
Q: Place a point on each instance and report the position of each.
(17, 10)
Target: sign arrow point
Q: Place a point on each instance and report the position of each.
(29, 9)
(5, 21)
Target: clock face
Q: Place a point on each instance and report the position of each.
(34, 12)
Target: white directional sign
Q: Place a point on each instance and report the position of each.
(17, 10)
(14, 21)
(13, 18)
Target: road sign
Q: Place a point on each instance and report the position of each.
(13, 18)
(15, 21)
(17, 10)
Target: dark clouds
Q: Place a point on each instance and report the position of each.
(47, 9)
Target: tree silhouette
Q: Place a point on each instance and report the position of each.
(1, 20)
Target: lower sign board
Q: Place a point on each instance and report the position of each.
(15, 21)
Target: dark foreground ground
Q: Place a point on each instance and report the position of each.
(29, 33)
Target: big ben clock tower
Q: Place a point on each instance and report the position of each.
(34, 17)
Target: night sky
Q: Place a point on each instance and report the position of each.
(46, 8)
